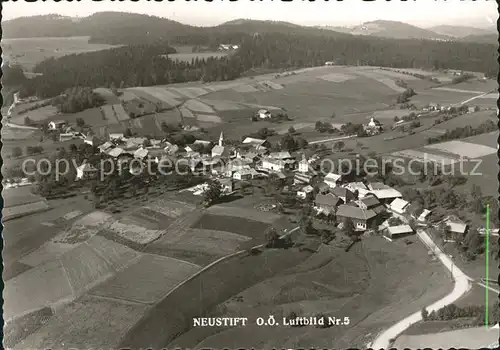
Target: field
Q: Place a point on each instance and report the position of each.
(24, 209)
(354, 284)
(29, 51)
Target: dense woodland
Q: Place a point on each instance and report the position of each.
(144, 65)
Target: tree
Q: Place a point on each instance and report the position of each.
(17, 152)
(291, 130)
(333, 115)
(396, 119)
(127, 133)
(272, 237)
(80, 122)
(213, 193)
(72, 148)
(424, 313)
(147, 143)
(348, 227)
(338, 145)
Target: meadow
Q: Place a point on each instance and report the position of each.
(30, 51)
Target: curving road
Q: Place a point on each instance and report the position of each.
(462, 285)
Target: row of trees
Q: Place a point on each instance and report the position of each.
(463, 132)
(77, 99)
(452, 312)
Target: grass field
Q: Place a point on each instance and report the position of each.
(85, 323)
(360, 284)
(37, 115)
(242, 226)
(29, 51)
(134, 284)
(24, 209)
(240, 212)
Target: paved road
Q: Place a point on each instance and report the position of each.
(333, 139)
(462, 285)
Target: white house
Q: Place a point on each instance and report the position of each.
(303, 165)
(105, 147)
(56, 124)
(264, 114)
(254, 142)
(273, 164)
(243, 174)
(332, 180)
(373, 126)
(305, 192)
(399, 206)
(423, 216)
(115, 152)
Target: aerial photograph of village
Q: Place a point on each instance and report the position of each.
(177, 181)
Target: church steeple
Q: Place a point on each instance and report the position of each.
(221, 139)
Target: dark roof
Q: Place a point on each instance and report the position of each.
(370, 201)
(341, 191)
(327, 199)
(349, 211)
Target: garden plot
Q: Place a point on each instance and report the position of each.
(257, 215)
(207, 118)
(212, 242)
(36, 288)
(464, 149)
(337, 77)
(89, 323)
(222, 105)
(170, 208)
(425, 157)
(84, 268)
(109, 114)
(48, 251)
(147, 280)
(84, 228)
(160, 94)
(117, 255)
(244, 88)
(24, 209)
(198, 106)
(384, 80)
(186, 113)
(238, 225)
(126, 229)
(120, 113)
(189, 92)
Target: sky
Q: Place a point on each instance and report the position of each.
(424, 13)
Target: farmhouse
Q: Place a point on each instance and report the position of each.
(358, 187)
(372, 203)
(254, 142)
(264, 114)
(116, 137)
(273, 164)
(386, 195)
(399, 206)
(305, 192)
(326, 203)
(57, 124)
(301, 178)
(105, 147)
(343, 193)
(332, 179)
(115, 152)
(323, 188)
(399, 231)
(171, 150)
(141, 153)
(423, 216)
(361, 218)
(85, 171)
(251, 157)
(456, 225)
(243, 174)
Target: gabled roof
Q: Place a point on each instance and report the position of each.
(307, 189)
(327, 200)
(274, 161)
(399, 204)
(377, 186)
(141, 153)
(356, 185)
(86, 167)
(253, 141)
(456, 225)
(400, 229)
(280, 155)
(115, 152)
(370, 201)
(349, 211)
(201, 142)
(424, 214)
(341, 191)
(386, 193)
(332, 177)
(219, 150)
(58, 122)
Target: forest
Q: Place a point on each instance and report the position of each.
(146, 65)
